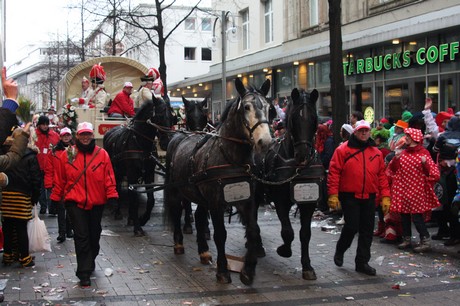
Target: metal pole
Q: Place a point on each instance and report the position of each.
(224, 68)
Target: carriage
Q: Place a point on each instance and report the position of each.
(118, 69)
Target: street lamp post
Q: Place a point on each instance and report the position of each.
(223, 20)
(224, 64)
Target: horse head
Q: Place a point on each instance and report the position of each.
(196, 117)
(253, 107)
(302, 122)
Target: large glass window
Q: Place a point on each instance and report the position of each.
(245, 27)
(268, 17)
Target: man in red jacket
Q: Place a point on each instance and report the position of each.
(46, 139)
(122, 105)
(356, 176)
(85, 182)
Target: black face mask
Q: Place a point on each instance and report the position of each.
(89, 148)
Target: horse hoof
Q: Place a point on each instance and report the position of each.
(284, 251)
(139, 233)
(118, 216)
(187, 229)
(224, 278)
(309, 275)
(206, 258)
(246, 278)
(179, 249)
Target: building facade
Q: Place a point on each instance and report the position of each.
(395, 53)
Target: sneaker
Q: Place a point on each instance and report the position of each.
(341, 221)
(338, 259)
(27, 261)
(406, 244)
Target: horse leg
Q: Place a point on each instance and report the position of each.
(202, 231)
(287, 233)
(148, 208)
(220, 237)
(133, 213)
(306, 213)
(202, 212)
(253, 242)
(187, 205)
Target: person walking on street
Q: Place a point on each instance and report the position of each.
(85, 181)
(64, 225)
(18, 197)
(413, 173)
(46, 139)
(356, 176)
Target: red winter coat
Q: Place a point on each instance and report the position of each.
(412, 182)
(362, 174)
(94, 187)
(122, 104)
(44, 143)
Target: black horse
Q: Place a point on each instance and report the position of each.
(196, 120)
(133, 152)
(213, 171)
(291, 167)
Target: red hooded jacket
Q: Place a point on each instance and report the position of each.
(362, 174)
(94, 187)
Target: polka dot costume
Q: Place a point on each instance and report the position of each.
(412, 182)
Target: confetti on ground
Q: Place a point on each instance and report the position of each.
(349, 298)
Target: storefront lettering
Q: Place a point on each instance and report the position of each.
(404, 59)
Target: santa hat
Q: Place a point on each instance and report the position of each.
(97, 74)
(152, 75)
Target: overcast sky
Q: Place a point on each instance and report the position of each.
(29, 21)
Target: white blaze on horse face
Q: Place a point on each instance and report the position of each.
(261, 134)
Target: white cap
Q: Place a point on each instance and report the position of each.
(362, 124)
(348, 128)
(128, 84)
(85, 127)
(65, 131)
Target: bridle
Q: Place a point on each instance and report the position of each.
(311, 152)
(246, 122)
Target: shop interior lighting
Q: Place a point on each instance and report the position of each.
(395, 42)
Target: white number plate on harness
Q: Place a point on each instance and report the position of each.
(306, 192)
(235, 192)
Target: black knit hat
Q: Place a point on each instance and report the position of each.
(43, 120)
(448, 152)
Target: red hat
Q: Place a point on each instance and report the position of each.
(152, 75)
(441, 117)
(97, 74)
(384, 120)
(415, 134)
(128, 84)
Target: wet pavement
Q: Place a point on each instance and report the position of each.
(144, 271)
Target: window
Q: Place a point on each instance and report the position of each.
(313, 13)
(206, 54)
(189, 54)
(206, 25)
(245, 25)
(268, 16)
(190, 24)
